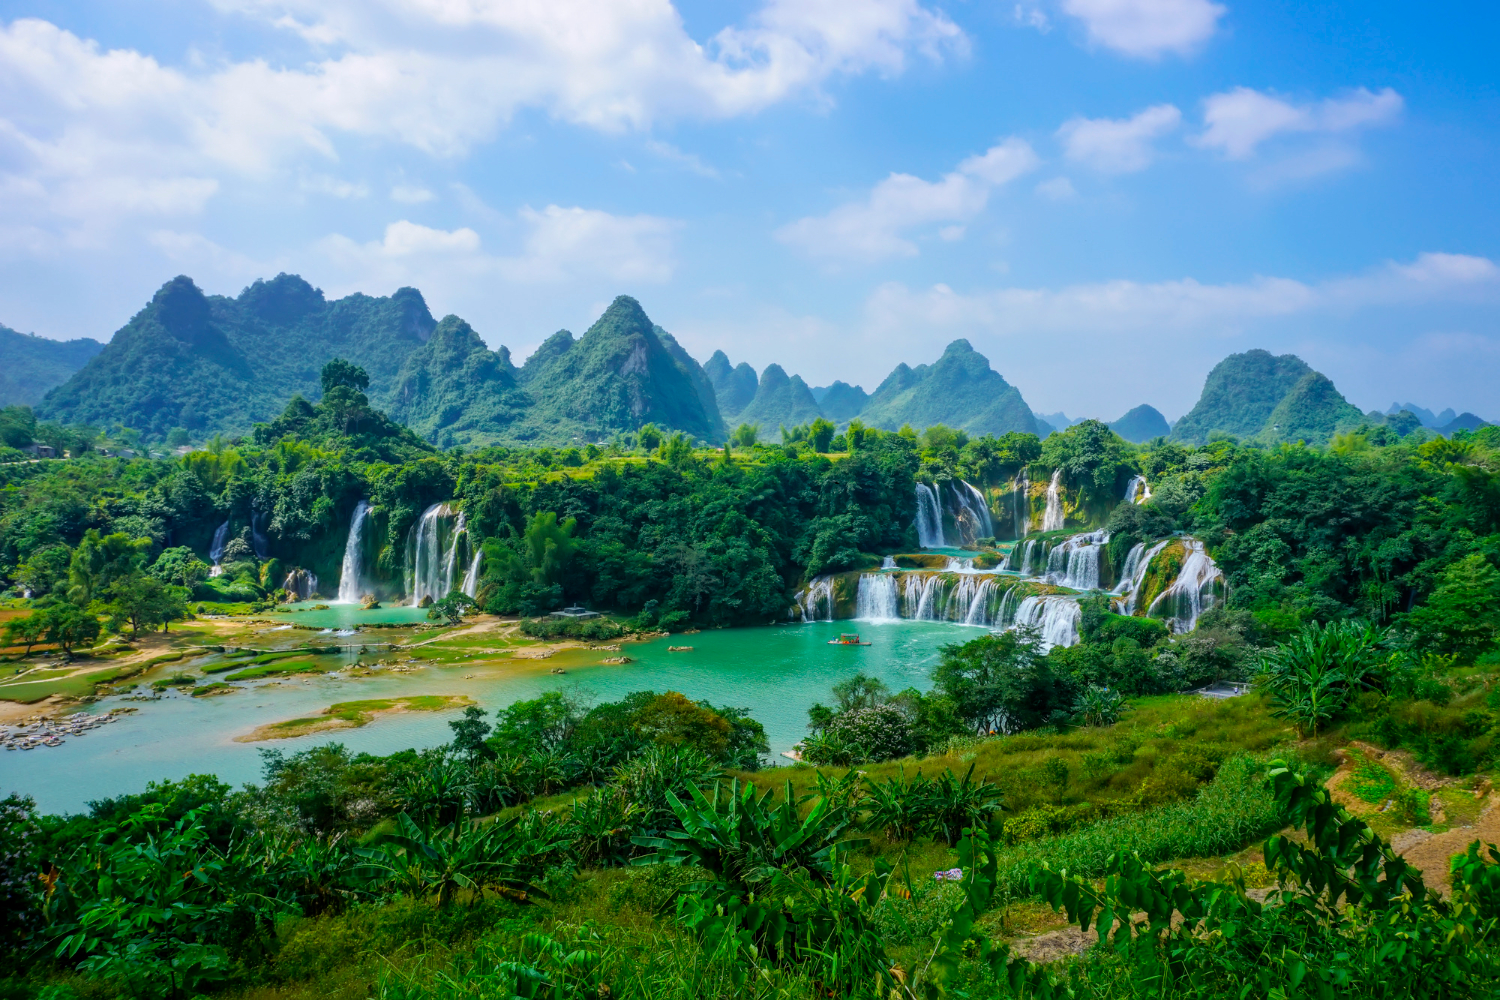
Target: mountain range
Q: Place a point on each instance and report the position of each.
(214, 364)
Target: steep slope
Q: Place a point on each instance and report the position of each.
(842, 402)
(1141, 424)
(35, 364)
(617, 376)
(455, 390)
(701, 384)
(1463, 422)
(212, 363)
(960, 389)
(779, 402)
(1240, 394)
(734, 385)
(1313, 411)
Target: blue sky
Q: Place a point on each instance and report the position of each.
(1104, 196)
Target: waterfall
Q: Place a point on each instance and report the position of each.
(957, 565)
(876, 600)
(352, 573)
(919, 597)
(1139, 491)
(1005, 615)
(889, 562)
(1055, 619)
(450, 565)
(1026, 552)
(216, 548)
(1075, 563)
(969, 602)
(471, 578)
(1052, 520)
(1021, 502)
(929, 518)
(258, 538)
(1136, 564)
(429, 562)
(979, 507)
(1192, 592)
(817, 595)
(300, 584)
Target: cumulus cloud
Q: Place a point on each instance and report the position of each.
(1238, 121)
(870, 230)
(1118, 145)
(1147, 29)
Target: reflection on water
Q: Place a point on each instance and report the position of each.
(775, 672)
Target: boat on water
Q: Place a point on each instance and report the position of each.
(849, 639)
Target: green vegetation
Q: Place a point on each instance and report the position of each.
(780, 402)
(1267, 398)
(1141, 424)
(35, 364)
(959, 390)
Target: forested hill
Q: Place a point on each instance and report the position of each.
(960, 390)
(1269, 398)
(208, 363)
(35, 364)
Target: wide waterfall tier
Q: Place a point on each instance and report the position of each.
(441, 557)
(352, 573)
(1075, 562)
(1054, 617)
(953, 514)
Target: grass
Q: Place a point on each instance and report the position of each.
(1371, 781)
(217, 687)
(277, 669)
(353, 714)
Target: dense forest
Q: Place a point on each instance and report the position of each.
(641, 847)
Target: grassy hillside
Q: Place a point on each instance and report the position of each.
(35, 364)
(455, 390)
(1313, 411)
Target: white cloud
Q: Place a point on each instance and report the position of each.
(1118, 145)
(575, 242)
(870, 230)
(1238, 121)
(1147, 28)
(333, 187)
(689, 161)
(1058, 189)
(411, 194)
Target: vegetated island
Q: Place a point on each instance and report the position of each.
(353, 715)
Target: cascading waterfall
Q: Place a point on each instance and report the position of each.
(300, 584)
(1027, 569)
(471, 578)
(1053, 519)
(1021, 503)
(258, 539)
(816, 602)
(1139, 491)
(216, 549)
(431, 554)
(919, 597)
(929, 518)
(889, 562)
(351, 575)
(1192, 592)
(1136, 564)
(1075, 563)
(1054, 617)
(971, 512)
(450, 565)
(876, 600)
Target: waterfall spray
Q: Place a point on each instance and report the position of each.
(351, 576)
(216, 549)
(1053, 519)
(929, 518)
(876, 600)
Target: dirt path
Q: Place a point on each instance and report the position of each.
(1431, 852)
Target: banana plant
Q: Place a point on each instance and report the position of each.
(462, 856)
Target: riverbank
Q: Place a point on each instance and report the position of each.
(352, 715)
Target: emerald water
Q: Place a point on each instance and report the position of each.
(340, 616)
(776, 672)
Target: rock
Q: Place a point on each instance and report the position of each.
(679, 649)
(617, 659)
(369, 602)
(425, 602)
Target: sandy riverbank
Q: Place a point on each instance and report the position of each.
(353, 715)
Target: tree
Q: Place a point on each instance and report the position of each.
(70, 627)
(180, 565)
(673, 719)
(44, 570)
(821, 433)
(649, 436)
(452, 607)
(142, 599)
(100, 560)
(1003, 682)
(860, 691)
(17, 426)
(676, 450)
(469, 734)
(26, 631)
(1463, 614)
(745, 435)
(340, 373)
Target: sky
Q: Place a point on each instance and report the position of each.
(1105, 197)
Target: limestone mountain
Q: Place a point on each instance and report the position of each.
(960, 389)
(701, 384)
(1268, 398)
(734, 385)
(1141, 424)
(841, 402)
(455, 390)
(780, 401)
(35, 364)
(212, 363)
(618, 376)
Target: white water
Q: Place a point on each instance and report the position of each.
(1192, 593)
(972, 502)
(1054, 618)
(301, 584)
(1139, 491)
(258, 538)
(1021, 503)
(877, 600)
(816, 601)
(432, 557)
(1075, 563)
(889, 562)
(471, 578)
(1052, 520)
(1134, 574)
(216, 548)
(351, 574)
(929, 518)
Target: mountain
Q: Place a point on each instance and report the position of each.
(779, 402)
(1239, 395)
(702, 385)
(841, 402)
(455, 390)
(1312, 411)
(1058, 421)
(1463, 422)
(1435, 421)
(212, 363)
(734, 386)
(1141, 424)
(35, 364)
(618, 376)
(959, 389)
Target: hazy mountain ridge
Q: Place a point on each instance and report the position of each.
(35, 364)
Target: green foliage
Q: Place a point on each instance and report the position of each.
(35, 364)
(1315, 677)
(959, 390)
(505, 857)
(1002, 682)
(780, 401)
(1463, 614)
(1094, 459)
